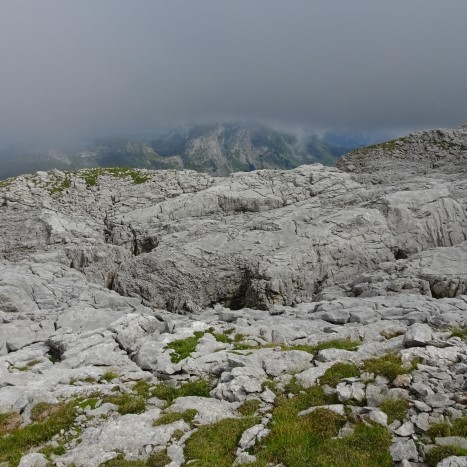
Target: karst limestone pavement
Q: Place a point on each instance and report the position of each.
(106, 274)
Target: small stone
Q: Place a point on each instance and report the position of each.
(401, 450)
(438, 400)
(453, 461)
(457, 441)
(407, 429)
(418, 335)
(378, 416)
(402, 381)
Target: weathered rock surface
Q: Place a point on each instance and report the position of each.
(268, 276)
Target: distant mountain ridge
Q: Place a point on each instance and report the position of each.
(217, 149)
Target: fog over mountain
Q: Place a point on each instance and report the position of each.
(78, 69)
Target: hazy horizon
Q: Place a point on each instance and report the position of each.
(79, 70)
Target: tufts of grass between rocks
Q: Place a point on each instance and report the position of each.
(183, 348)
(311, 439)
(48, 421)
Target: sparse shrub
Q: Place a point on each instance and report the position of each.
(323, 423)
(215, 445)
(43, 410)
(169, 393)
(334, 375)
(29, 365)
(21, 440)
(9, 422)
(459, 427)
(183, 348)
(158, 459)
(342, 344)
(438, 430)
(395, 409)
(249, 407)
(167, 418)
(389, 365)
(127, 403)
(143, 389)
(109, 376)
(438, 453)
(391, 334)
(459, 332)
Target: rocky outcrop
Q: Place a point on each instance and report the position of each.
(122, 287)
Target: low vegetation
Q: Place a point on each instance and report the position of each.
(395, 409)
(460, 332)
(387, 146)
(169, 393)
(90, 176)
(214, 445)
(389, 366)
(109, 376)
(156, 459)
(456, 428)
(249, 407)
(127, 403)
(49, 423)
(333, 376)
(183, 348)
(296, 441)
(438, 453)
(167, 418)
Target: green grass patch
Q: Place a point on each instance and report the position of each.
(387, 146)
(21, 440)
(334, 375)
(109, 376)
(28, 365)
(183, 348)
(249, 407)
(459, 332)
(166, 392)
(90, 176)
(438, 453)
(395, 409)
(9, 422)
(120, 461)
(391, 334)
(215, 445)
(167, 418)
(88, 402)
(59, 188)
(457, 428)
(342, 344)
(127, 403)
(368, 446)
(439, 430)
(389, 365)
(143, 389)
(50, 451)
(309, 440)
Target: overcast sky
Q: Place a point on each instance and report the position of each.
(84, 67)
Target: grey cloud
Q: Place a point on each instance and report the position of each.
(76, 68)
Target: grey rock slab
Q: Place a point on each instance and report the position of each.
(209, 410)
(457, 441)
(418, 335)
(378, 416)
(453, 461)
(403, 449)
(128, 434)
(438, 400)
(33, 460)
(336, 408)
(309, 377)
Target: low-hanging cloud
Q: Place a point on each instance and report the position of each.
(70, 69)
